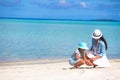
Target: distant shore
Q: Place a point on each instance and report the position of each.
(111, 20)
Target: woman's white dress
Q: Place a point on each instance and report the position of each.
(102, 62)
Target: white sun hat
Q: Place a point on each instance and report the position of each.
(83, 45)
(97, 34)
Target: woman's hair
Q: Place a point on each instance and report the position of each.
(103, 39)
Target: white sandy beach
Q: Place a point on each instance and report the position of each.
(57, 70)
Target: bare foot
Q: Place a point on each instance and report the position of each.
(73, 67)
(94, 66)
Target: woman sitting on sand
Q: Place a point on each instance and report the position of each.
(77, 58)
(97, 54)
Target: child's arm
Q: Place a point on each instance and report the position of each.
(77, 56)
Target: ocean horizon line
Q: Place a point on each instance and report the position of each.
(109, 20)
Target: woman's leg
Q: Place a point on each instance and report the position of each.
(88, 61)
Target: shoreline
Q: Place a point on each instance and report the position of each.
(42, 61)
(28, 62)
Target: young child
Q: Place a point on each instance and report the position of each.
(77, 58)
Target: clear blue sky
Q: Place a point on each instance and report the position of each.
(61, 9)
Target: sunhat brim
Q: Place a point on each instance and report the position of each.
(83, 47)
(96, 37)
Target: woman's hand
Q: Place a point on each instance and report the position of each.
(93, 59)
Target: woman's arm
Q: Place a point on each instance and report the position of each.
(95, 58)
(102, 49)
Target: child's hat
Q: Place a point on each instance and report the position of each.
(83, 45)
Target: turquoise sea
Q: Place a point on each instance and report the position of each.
(22, 40)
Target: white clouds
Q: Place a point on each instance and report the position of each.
(64, 4)
(73, 4)
(62, 1)
(83, 4)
